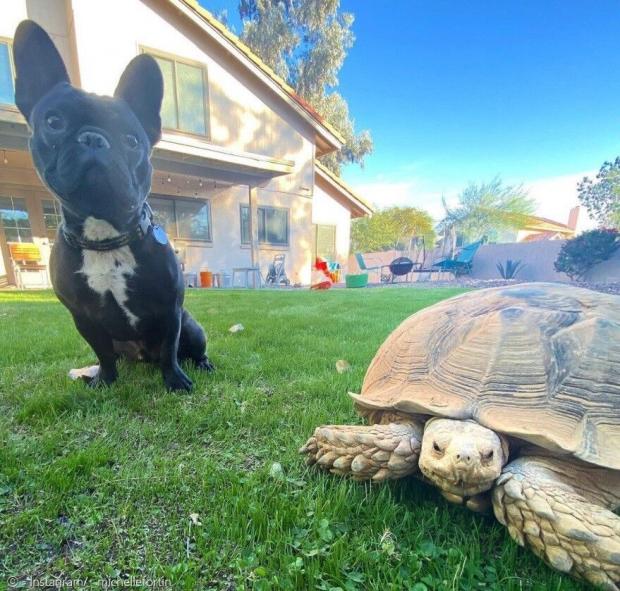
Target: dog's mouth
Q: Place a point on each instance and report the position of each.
(87, 171)
(91, 186)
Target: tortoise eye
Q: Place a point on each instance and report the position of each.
(436, 447)
(488, 455)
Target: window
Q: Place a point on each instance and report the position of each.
(14, 219)
(245, 225)
(325, 242)
(7, 89)
(184, 106)
(183, 218)
(272, 225)
(163, 214)
(51, 217)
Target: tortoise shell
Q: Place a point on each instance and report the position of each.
(539, 362)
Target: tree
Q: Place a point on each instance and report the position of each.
(486, 209)
(602, 197)
(578, 255)
(391, 228)
(306, 43)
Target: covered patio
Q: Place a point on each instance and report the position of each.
(207, 200)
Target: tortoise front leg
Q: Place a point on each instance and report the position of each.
(561, 509)
(377, 452)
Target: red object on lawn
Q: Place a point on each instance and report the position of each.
(321, 264)
(330, 270)
(321, 285)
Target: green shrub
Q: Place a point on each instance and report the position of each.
(580, 254)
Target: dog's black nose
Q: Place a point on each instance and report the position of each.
(92, 139)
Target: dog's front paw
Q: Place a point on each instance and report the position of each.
(175, 379)
(204, 364)
(103, 378)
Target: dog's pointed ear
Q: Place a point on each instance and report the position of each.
(38, 66)
(142, 87)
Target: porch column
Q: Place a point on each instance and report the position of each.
(253, 194)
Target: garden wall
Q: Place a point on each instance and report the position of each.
(538, 258)
(606, 272)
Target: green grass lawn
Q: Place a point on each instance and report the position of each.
(102, 483)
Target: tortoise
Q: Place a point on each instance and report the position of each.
(506, 398)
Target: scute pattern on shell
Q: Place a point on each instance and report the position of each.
(540, 362)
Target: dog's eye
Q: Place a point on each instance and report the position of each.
(55, 122)
(131, 141)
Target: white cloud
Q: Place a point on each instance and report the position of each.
(410, 192)
(556, 196)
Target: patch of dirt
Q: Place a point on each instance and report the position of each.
(222, 581)
(459, 282)
(251, 463)
(612, 288)
(468, 283)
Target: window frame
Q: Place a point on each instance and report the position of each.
(266, 242)
(172, 199)
(16, 227)
(9, 42)
(205, 85)
(243, 242)
(57, 212)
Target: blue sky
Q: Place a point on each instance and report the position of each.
(455, 91)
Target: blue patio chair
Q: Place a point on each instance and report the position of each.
(461, 264)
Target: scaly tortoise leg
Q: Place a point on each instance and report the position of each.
(377, 452)
(561, 509)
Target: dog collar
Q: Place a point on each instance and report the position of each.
(138, 232)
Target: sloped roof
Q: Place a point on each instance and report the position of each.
(330, 136)
(358, 206)
(550, 235)
(547, 225)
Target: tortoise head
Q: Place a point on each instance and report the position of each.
(462, 458)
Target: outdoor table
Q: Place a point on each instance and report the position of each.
(246, 272)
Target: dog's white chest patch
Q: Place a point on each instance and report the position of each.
(108, 271)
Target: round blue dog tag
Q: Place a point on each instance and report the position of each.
(160, 235)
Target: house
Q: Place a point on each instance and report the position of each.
(540, 228)
(236, 178)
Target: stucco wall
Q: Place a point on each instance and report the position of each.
(243, 114)
(50, 14)
(538, 258)
(13, 12)
(226, 251)
(606, 272)
(299, 252)
(325, 210)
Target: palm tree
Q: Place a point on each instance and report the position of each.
(487, 209)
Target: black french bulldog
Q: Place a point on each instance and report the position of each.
(110, 265)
